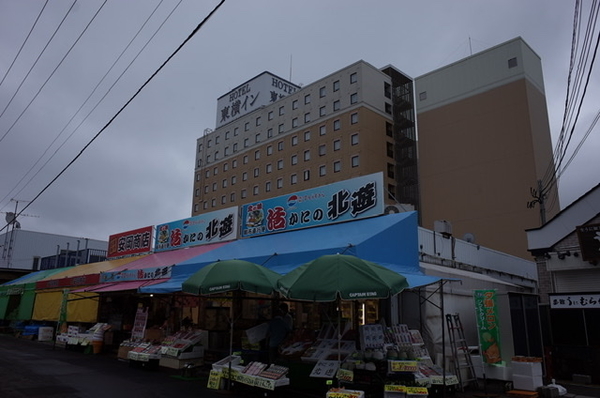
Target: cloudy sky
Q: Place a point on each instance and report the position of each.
(60, 89)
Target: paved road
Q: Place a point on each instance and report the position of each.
(30, 369)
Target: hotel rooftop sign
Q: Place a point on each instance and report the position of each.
(262, 90)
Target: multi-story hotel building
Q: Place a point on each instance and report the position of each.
(354, 122)
(484, 141)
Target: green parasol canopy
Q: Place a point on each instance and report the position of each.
(227, 275)
(347, 277)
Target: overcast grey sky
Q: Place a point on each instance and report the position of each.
(140, 170)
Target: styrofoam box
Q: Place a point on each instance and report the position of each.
(45, 333)
(530, 369)
(527, 383)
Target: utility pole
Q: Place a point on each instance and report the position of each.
(538, 197)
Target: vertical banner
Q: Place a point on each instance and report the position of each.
(486, 310)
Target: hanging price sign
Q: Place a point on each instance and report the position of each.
(404, 366)
(394, 388)
(214, 380)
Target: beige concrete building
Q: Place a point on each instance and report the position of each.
(340, 127)
(484, 143)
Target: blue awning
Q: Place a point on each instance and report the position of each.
(391, 239)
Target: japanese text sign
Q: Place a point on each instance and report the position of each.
(352, 199)
(150, 273)
(216, 226)
(579, 301)
(124, 244)
(486, 311)
(589, 241)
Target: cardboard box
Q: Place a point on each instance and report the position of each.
(123, 351)
(45, 333)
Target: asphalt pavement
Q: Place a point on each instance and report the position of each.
(32, 369)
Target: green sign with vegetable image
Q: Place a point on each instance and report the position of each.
(486, 310)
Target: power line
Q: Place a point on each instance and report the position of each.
(53, 72)
(24, 42)
(122, 108)
(86, 101)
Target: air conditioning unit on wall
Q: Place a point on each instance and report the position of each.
(443, 227)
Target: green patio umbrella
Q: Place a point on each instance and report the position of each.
(227, 275)
(330, 277)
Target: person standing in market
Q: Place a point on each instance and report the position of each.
(278, 331)
(287, 317)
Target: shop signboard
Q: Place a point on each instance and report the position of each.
(486, 310)
(130, 243)
(257, 92)
(151, 273)
(575, 301)
(347, 200)
(81, 280)
(216, 226)
(589, 242)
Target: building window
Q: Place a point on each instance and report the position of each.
(235, 147)
(354, 139)
(306, 175)
(245, 142)
(196, 207)
(245, 176)
(217, 139)
(293, 179)
(337, 166)
(224, 183)
(206, 189)
(423, 96)
(258, 121)
(294, 140)
(322, 130)
(279, 183)
(234, 163)
(207, 173)
(389, 131)
(322, 170)
(198, 177)
(307, 136)
(294, 159)
(295, 104)
(390, 170)
(307, 99)
(307, 117)
(268, 186)
(354, 118)
(255, 190)
(336, 125)
(322, 111)
(390, 149)
(337, 145)
(354, 98)
(208, 159)
(295, 122)
(245, 159)
(512, 63)
(223, 199)
(197, 192)
(280, 129)
(280, 164)
(322, 150)
(322, 92)
(307, 155)
(232, 197)
(227, 135)
(214, 186)
(256, 172)
(209, 144)
(233, 180)
(205, 205)
(269, 133)
(336, 85)
(244, 194)
(257, 138)
(280, 146)
(257, 155)
(235, 132)
(388, 108)
(216, 155)
(215, 171)
(199, 163)
(269, 150)
(353, 78)
(387, 90)
(246, 126)
(270, 115)
(199, 147)
(355, 161)
(213, 202)
(336, 105)
(226, 151)
(281, 111)
(269, 168)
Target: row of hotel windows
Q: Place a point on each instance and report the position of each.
(337, 167)
(294, 140)
(281, 127)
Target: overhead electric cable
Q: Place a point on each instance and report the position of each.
(121, 109)
(35, 63)
(9, 194)
(24, 42)
(54, 71)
